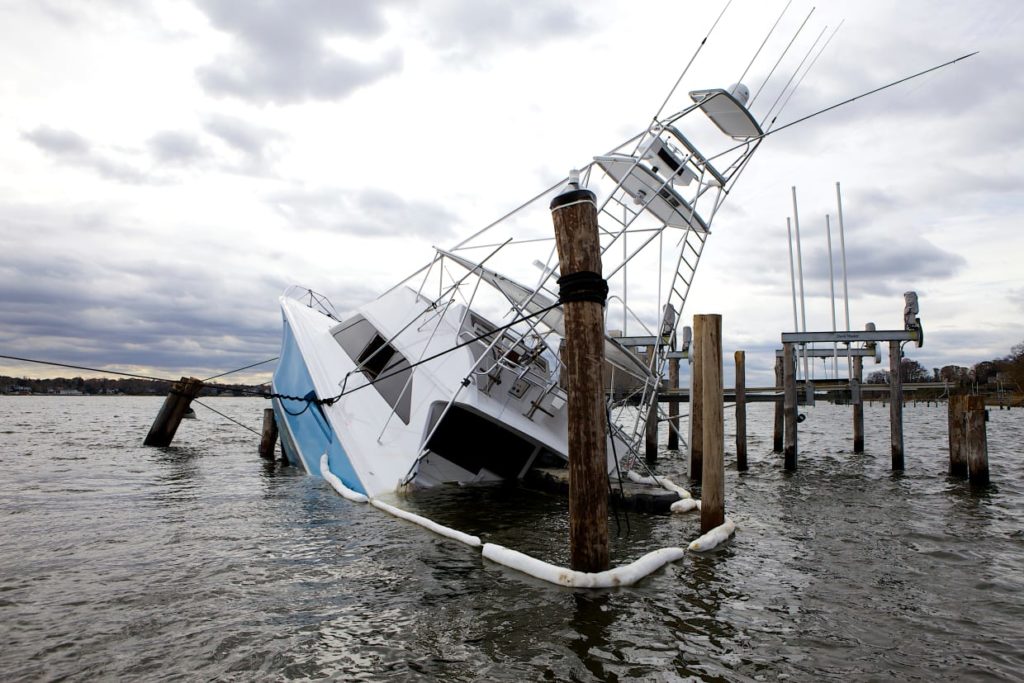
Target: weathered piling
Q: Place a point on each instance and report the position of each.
(178, 400)
(696, 410)
(957, 413)
(583, 292)
(651, 432)
(673, 406)
(779, 411)
(268, 440)
(707, 332)
(977, 441)
(895, 405)
(858, 404)
(790, 404)
(741, 410)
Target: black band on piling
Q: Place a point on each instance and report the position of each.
(572, 197)
(585, 285)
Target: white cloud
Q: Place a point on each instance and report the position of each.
(181, 194)
(281, 53)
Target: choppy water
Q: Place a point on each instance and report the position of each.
(201, 561)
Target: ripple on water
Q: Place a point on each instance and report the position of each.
(202, 561)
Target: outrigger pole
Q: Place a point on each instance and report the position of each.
(845, 102)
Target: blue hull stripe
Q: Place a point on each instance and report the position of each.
(309, 431)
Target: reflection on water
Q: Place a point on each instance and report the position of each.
(203, 561)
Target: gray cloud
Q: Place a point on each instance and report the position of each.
(281, 53)
(174, 147)
(74, 302)
(464, 28)
(366, 213)
(58, 142)
(1017, 297)
(70, 147)
(899, 264)
(256, 145)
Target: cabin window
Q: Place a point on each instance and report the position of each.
(374, 358)
(379, 361)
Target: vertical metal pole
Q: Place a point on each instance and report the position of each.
(792, 275)
(832, 294)
(625, 276)
(800, 273)
(842, 250)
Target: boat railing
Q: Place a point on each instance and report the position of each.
(515, 363)
(312, 299)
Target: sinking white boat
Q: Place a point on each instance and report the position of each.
(453, 374)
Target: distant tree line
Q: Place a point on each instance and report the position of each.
(1006, 373)
(106, 386)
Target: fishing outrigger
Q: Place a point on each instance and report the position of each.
(454, 376)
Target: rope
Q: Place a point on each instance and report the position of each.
(231, 372)
(82, 367)
(226, 417)
(380, 378)
(584, 285)
(130, 374)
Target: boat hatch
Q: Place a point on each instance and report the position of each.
(475, 443)
(725, 111)
(651, 191)
(378, 360)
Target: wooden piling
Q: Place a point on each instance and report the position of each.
(673, 406)
(696, 411)
(707, 331)
(778, 426)
(790, 404)
(583, 293)
(741, 410)
(178, 400)
(977, 441)
(268, 440)
(858, 404)
(895, 405)
(957, 414)
(651, 432)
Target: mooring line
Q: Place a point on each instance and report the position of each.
(82, 367)
(130, 374)
(231, 372)
(227, 417)
(380, 378)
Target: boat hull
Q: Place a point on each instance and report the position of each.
(306, 433)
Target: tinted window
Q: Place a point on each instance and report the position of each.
(385, 367)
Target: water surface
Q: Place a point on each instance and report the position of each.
(200, 561)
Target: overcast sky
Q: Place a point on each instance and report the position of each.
(171, 166)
